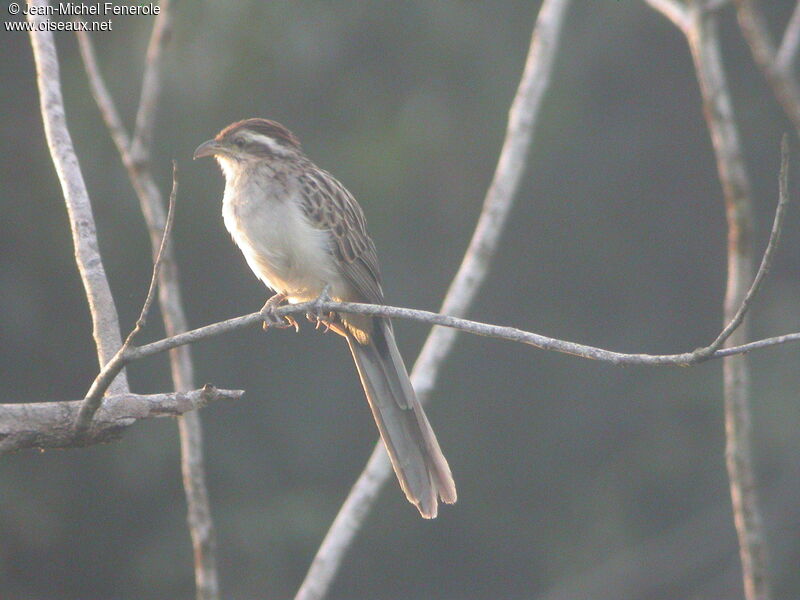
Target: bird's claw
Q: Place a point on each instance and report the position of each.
(272, 319)
(318, 316)
(322, 320)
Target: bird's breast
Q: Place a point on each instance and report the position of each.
(279, 243)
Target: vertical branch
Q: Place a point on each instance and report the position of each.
(787, 53)
(702, 35)
(499, 199)
(703, 40)
(105, 323)
(135, 156)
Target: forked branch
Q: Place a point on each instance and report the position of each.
(94, 396)
(52, 424)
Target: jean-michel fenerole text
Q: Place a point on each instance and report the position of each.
(93, 8)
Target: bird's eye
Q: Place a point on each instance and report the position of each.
(239, 142)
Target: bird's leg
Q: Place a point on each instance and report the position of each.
(273, 320)
(318, 317)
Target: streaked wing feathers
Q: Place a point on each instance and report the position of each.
(329, 205)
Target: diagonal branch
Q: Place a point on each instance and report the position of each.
(136, 158)
(769, 253)
(151, 87)
(95, 395)
(675, 10)
(151, 290)
(522, 120)
(775, 65)
(51, 424)
(787, 53)
(105, 323)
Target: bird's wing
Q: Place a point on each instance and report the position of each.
(328, 205)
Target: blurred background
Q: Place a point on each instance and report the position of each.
(576, 479)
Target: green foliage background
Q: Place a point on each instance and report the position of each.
(576, 479)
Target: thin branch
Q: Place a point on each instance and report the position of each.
(136, 158)
(769, 253)
(105, 322)
(151, 290)
(500, 332)
(778, 74)
(675, 10)
(787, 53)
(51, 424)
(102, 95)
(703, 38)
(151, 86)
(94, 396)
(495, 331)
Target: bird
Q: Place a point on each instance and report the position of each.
(305, 236)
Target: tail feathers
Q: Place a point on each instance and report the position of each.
(418, 461)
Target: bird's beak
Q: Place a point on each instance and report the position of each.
(209, 148)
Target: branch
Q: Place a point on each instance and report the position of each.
(95, 395)
(151, 86)
(776, 65)
(747, 513)
(101, 94)
(105, 323)
(51, 424)
(136, 158)
(675, 10)
(769, 253)
(791, 41)
(151, 290)
(703, 39)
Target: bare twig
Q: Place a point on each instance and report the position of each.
(769, 253)
(151, 86)
(777, 72)
(51, 424)
(787, 53)
(102, 95)
(136, 158)
(511, 334)
(703, 38)
(675, 10)
(151, 290)
(105, 322)
(94, 396)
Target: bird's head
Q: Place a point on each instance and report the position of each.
(251, 141)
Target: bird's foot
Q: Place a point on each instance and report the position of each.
(322, 320)
(271, 319)
(318, 316)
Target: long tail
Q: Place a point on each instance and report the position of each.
(415, 454)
